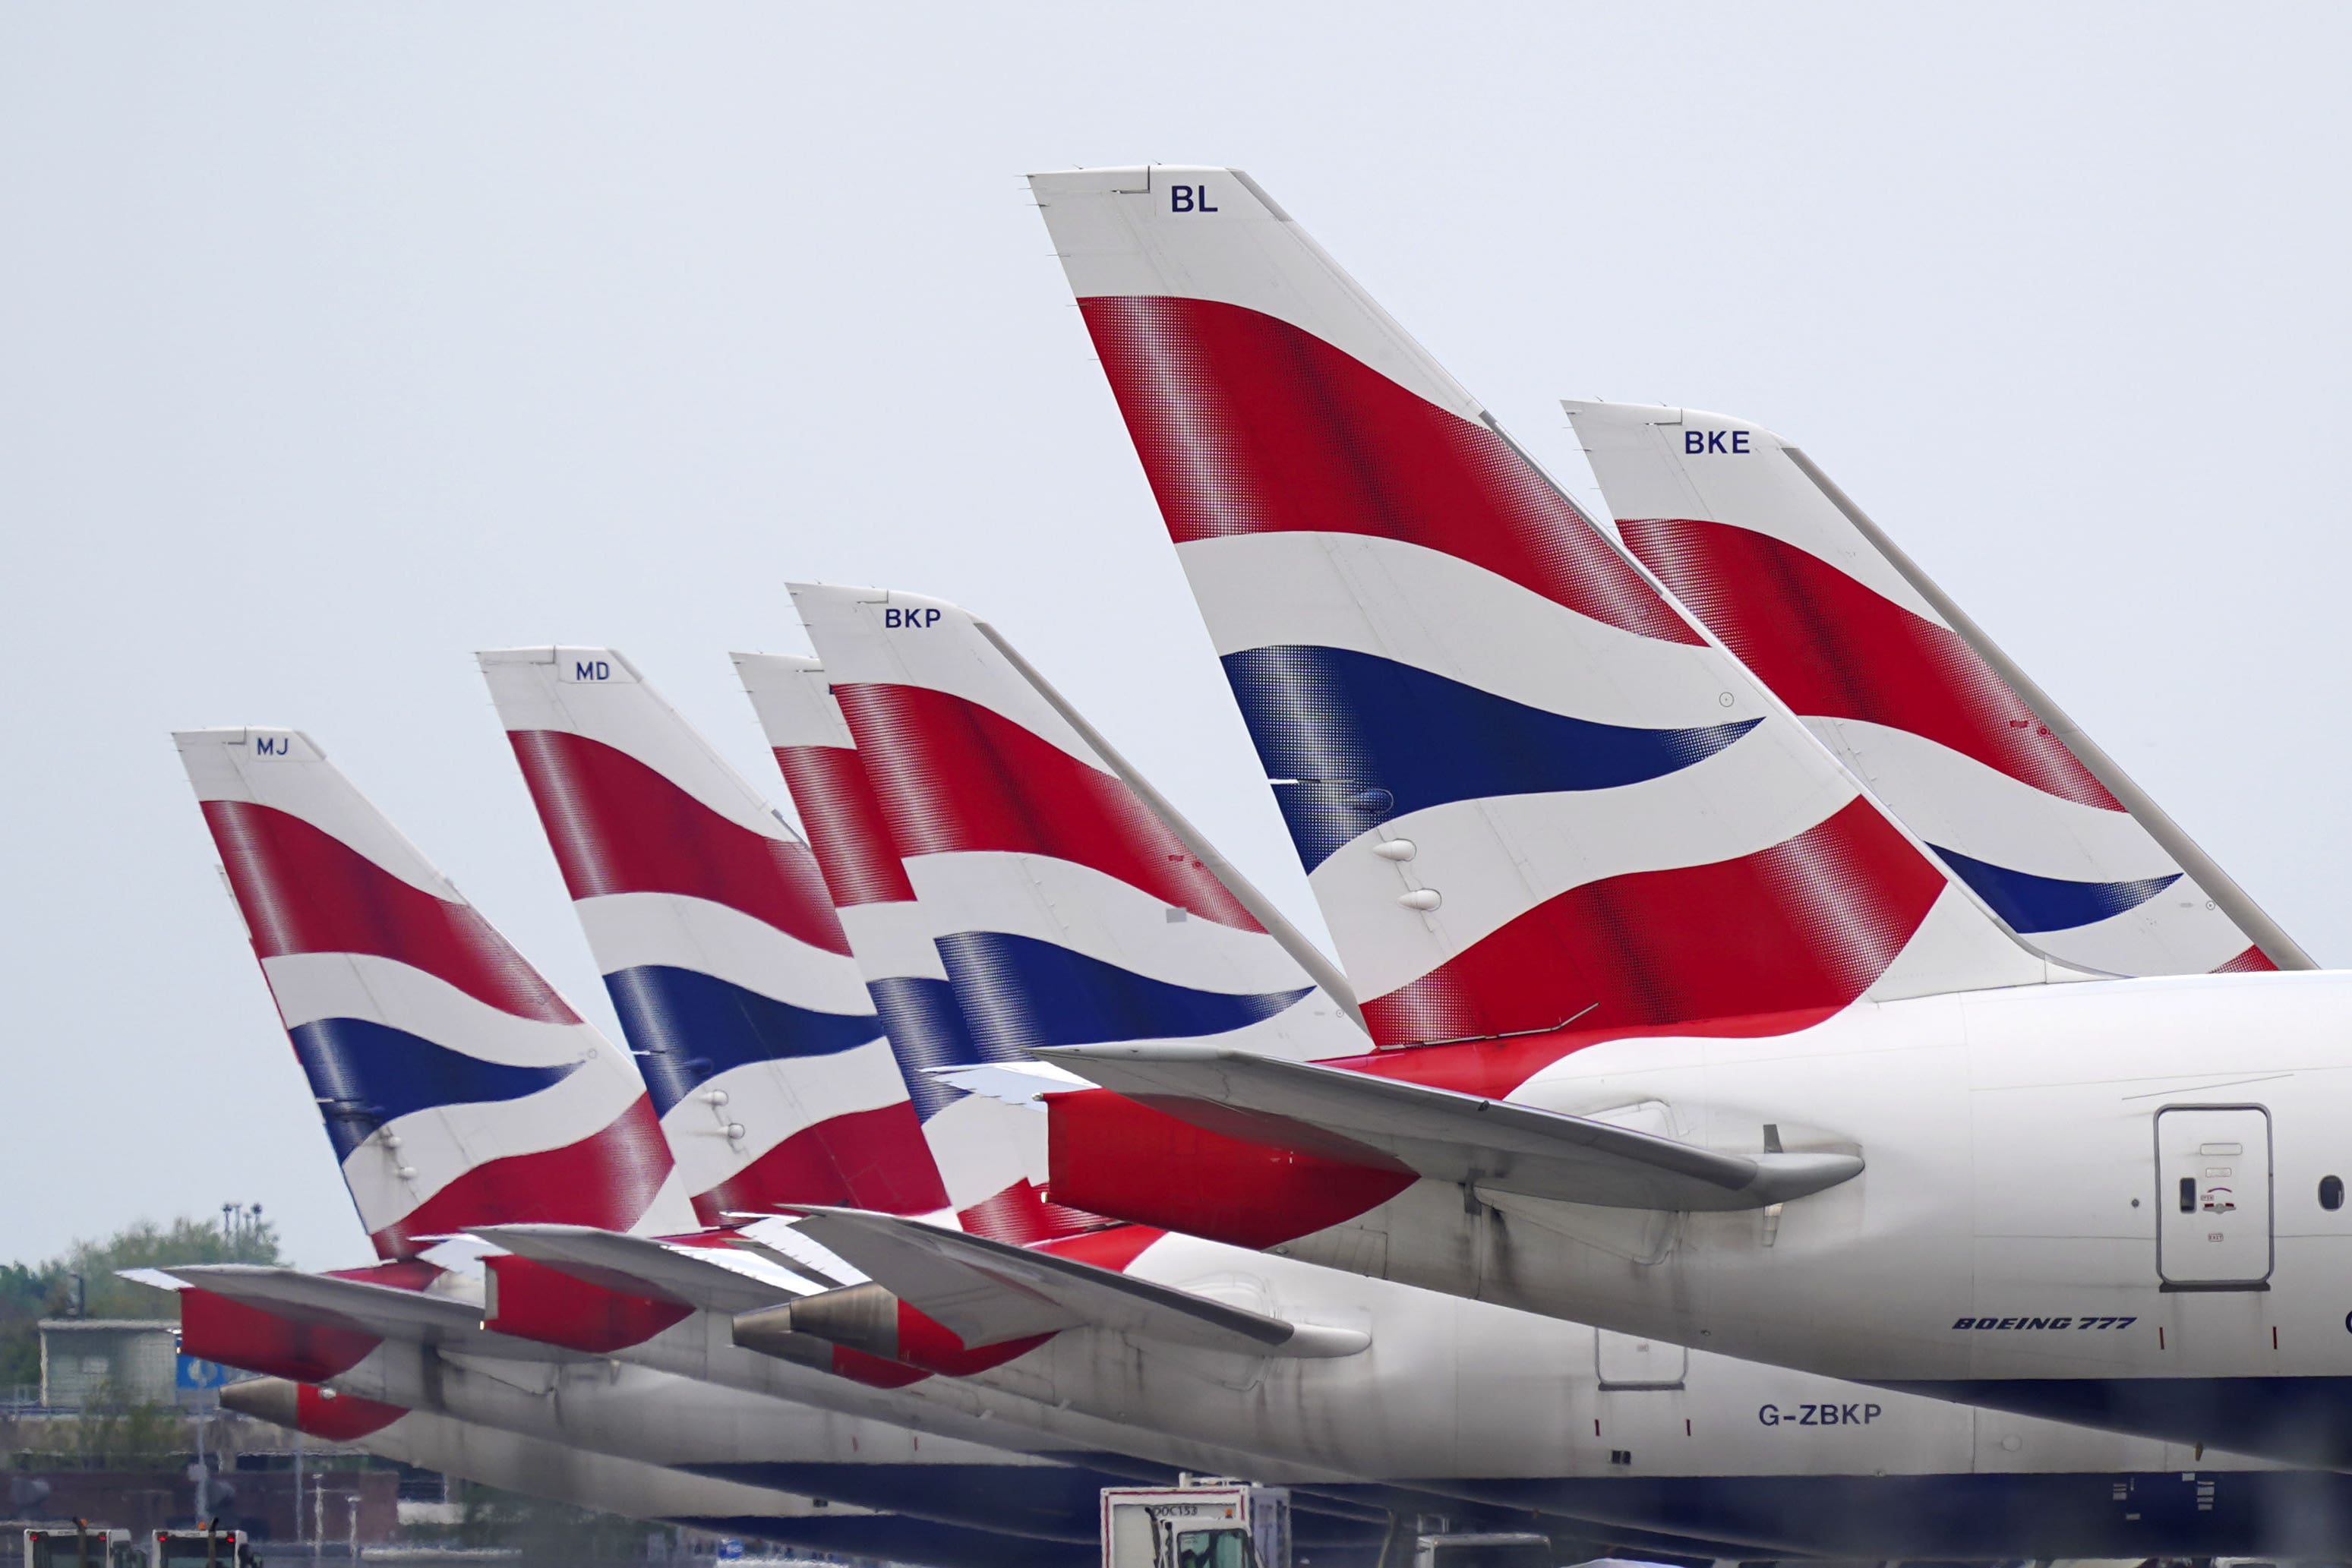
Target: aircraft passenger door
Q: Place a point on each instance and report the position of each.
(1624, 1362)
(2213, 1197)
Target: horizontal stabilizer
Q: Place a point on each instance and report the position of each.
(383, 1311)
(637, 1265)
(1442, 1134)
(154, 1278)
(989, 1292)
(1019, 1083)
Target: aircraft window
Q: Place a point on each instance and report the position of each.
(2188, 1195)
(2331, 1192)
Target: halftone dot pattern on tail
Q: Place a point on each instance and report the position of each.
(1063, 909)
(618, 826)
(720, 945)
(457, 1087)
(958, 778)
(1248, 426)
(843, 820)
(1828, 645)
(1806, 924)
(1020, 993)
(1528, 790)
(304, 890)
(364, 1074)
(1053, 901)
(835, 798)
(1436, 741)
(984, 1158)
(1659, 945)
(1852, 638)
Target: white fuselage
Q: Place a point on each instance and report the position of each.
(585, 1479)
(1449, 1390)
(2026, 1151)
(1453, 1399)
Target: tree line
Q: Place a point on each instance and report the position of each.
(31, 1291)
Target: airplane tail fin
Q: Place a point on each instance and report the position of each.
(457, 1088)
(1068, 910)
(990, 1155)
(1528, 789)
(729, 968)
(1894, 678)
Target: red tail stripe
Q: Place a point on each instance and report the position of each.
(608, 1181)
(1257, 1181)
(952, 775)
(2252, 961)
(875, 1159)
(1022, 1214)
(619, 826)
(304, 890)
(1807, 924)
(844, 826)
(341, 1417)
(1248, 426)
(874, 1371)
(535, 1301)
(214, 1327)
(926, 1343)
(402, 1274)
(1494, 1069)
(1118, 1157)
(1113, 1247)
(1832, 648)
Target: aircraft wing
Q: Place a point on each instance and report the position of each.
(989, 1292)
(380, 1309)
(1444, 1135)
(638, 1265)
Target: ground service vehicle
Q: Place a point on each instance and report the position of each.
(1200, 1523)
(210, 1547)
(79, 1545)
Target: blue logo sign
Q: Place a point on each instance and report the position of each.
(200, 1376)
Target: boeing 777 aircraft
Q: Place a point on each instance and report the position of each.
(1678, 1029)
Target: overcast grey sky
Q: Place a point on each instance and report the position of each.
(338, 341)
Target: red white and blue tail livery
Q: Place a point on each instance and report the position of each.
(1533, 791)
(716, 939)
(1065, 910)
(1528, 789)
(459, 1089)
(990, 1156)
(1848, 632)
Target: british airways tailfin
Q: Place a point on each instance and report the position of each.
(457, 1088)
(1528, 790)
(1066, 909)
(1915, 699)
(716, 939)
(991, 1156)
